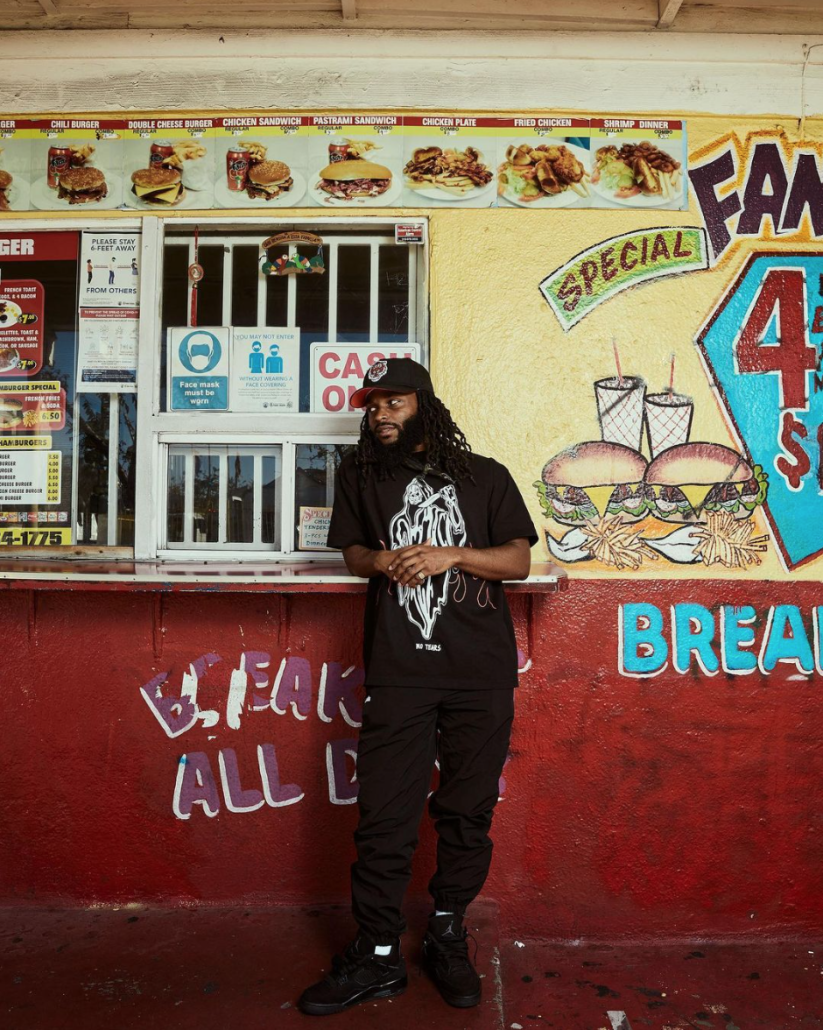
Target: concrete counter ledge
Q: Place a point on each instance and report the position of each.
(277, 578)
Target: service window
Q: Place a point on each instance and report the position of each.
(261, 333)
(68, 356)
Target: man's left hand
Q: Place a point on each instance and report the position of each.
(412, 565)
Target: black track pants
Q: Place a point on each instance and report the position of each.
(395, 758)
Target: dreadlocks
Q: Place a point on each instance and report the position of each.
(448, 449)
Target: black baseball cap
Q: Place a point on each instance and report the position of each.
(396, 375)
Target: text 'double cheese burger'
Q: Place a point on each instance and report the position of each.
(83, 185)
(349, 179)
(158, 185)
(590, 480)
(686, 482)
(268, 179)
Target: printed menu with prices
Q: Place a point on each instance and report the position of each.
(21, 326)
(28, 406)
(543, 162)
(449, 160)
(15, 164)
(260, 161)
(29, 471)
(168, 163)
(76, 162)
(355, 160)
(639, 163)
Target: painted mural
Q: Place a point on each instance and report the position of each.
(658, 487)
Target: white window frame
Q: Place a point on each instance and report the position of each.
(157, 429)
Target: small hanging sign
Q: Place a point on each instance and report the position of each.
(283, 263)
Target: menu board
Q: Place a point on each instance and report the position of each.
(449, 160)
(543, 162)
(38, 277)
(15, 165)
(168, 163)
(21, 326)
(76, 162)
(639, 163)
(355, 160)
(333, 159)
(260, 161)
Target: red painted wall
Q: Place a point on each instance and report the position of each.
(669, 807)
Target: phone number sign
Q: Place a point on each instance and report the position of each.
(763, 345)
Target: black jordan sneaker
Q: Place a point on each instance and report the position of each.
(356, 975)
(446, 959)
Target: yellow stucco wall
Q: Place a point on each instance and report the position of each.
(522, 389)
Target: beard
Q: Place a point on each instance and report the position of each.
(410, 435)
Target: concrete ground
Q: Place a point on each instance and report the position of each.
(220, 969)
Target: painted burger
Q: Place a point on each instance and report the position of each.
(590, 480)
(688, 481)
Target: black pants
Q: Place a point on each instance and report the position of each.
(395, 758)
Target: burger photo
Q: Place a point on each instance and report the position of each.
(82, 185)
(347, 180)
(690, 480)
(590, 480)
(5, 183)
(11, 412)
(268, 179)
(161, 186)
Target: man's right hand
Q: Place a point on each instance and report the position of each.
(363, 561)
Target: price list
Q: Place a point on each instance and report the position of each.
(30, 477)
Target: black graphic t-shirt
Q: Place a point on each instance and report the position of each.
(453, 630)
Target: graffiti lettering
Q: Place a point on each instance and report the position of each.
(196, 784)
(725, 637)
(177, 711)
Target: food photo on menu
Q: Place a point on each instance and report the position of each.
(260, 171)
(638, 166)
(15, 168)
(163, 172)
(355, 170)
(449, 160)
(544, 172)
(77, 167)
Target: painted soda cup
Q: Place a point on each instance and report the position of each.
(620, 409)
(668, 420)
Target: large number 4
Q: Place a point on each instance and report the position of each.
(792, 357)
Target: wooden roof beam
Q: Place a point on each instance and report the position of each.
(349, 10)
(48, 6)
(667, 12)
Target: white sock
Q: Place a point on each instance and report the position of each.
(382, 949)
(444, 913)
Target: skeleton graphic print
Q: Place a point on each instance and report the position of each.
(427, 514)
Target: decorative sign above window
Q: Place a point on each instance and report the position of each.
(292, 263)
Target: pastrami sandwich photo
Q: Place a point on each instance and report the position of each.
(347, 180)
